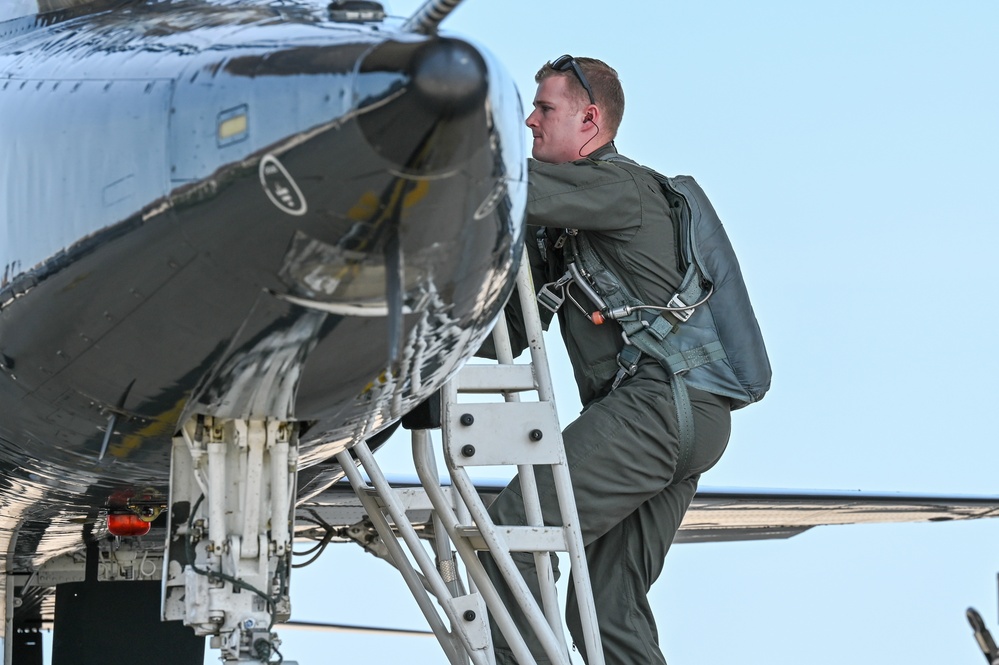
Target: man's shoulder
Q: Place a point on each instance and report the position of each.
(644, 173)
(609, 155)
(584, 172)
(610, 158)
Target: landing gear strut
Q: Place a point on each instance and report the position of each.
(232, 488)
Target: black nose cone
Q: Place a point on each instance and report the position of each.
(422, 105)
(449, 76)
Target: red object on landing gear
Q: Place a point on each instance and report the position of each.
(127, 524)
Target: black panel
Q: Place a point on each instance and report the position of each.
(425, 416)
(27, 646)
(117, 623)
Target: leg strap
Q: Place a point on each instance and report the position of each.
(685, 421)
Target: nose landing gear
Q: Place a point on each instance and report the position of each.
(232, 485)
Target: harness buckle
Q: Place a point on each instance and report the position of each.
(627, 361)
(542, 239)
(628, 368)
(679, 309)
(548, 299)
(552, 295)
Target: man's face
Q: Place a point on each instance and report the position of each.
(556, 122)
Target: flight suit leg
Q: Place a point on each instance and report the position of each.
(622, 452)
(626, 561)
(629, 558)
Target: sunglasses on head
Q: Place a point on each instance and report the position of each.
(566, 63)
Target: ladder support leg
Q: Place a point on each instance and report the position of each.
(534, 439)
(414, 583)
(499, 613)
(430, 572)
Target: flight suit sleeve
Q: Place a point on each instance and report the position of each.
(586, 194)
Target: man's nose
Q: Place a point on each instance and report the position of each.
(530, 121)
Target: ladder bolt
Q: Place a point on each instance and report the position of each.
(469, 615)
(536, 435)
(468, 451)
(467, 419)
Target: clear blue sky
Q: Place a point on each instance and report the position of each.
(851, 150)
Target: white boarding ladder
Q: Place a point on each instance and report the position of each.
(511, 432)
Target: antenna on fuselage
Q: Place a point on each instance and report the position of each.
(428, 17)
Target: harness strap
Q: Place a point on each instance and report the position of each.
(648, 333)
(692, 358)
(627, 360)
(685, 423)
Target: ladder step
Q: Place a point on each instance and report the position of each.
(521, 538)
(496, 378)
(503, 433)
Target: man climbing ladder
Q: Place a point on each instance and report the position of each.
(649, 427)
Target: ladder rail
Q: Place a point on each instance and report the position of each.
(552, 640)
(426, 469)
(486, 448)
(563, 482)
(534, 332)
(412, 580)
(529, 487)
(477, 436)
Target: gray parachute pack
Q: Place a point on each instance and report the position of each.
(707, 336)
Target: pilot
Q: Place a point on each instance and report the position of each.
(630, 487)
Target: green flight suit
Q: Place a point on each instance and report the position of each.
(624, 446)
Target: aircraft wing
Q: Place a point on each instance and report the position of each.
(728, 514)
(715, 515)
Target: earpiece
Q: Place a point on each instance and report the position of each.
(588, 118)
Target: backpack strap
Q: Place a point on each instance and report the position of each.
(645, 326)
(646, 332)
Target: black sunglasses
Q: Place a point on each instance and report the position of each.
(567, 62)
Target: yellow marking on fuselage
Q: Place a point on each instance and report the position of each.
(161, 425)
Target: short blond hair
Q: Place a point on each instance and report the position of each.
(604, 82)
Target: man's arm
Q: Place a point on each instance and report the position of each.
(586, 194)
(513, 312)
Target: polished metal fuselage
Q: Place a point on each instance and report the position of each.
(244, 210)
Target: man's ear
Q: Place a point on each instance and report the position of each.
(591, 114)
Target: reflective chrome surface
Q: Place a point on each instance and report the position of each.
(233, 209)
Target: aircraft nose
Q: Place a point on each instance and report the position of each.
(450, 76)
(421, 105)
